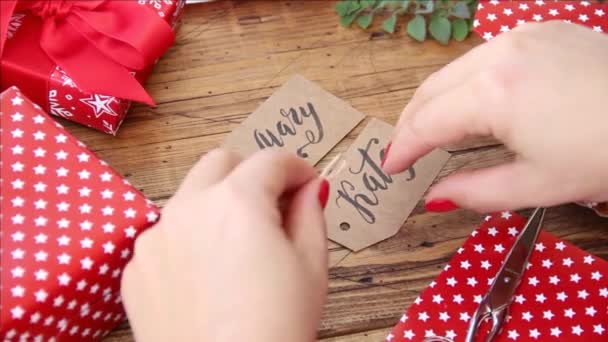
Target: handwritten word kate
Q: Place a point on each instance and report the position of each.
(374, 180)
(294, 119)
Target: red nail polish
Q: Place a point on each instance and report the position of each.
(440, 205)
(386, 149)
(324, 193)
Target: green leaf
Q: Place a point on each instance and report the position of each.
(365, 20)
(348, 19)
(389, 24)
(461, 10)
(353, 7)
(440, 29)
(460, 29)
(416, 28)
(367, 3)
(343, 7)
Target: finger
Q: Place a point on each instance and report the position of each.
(212, 168)
(272, 173)
(509, 186)
(450, 76)
(447, 118)
(305, 225)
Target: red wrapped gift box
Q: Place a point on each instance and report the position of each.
(27, 64)
(563, 295)
(495, 17)
(68, 224)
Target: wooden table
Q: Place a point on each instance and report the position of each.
(229, 57)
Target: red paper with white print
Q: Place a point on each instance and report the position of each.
(563, 295)
(495, 17)
(68, 224)
(65, 98)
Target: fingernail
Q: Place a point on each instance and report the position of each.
(386, 149)
(440, 205)
(324, 193)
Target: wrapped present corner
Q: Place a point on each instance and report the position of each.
(84, 60)
(563, 294)
(67, 227)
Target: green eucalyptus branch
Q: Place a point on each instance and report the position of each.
(442, 19)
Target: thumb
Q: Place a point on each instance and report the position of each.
(305, 224)
(509, 186)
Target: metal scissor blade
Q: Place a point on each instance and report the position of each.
(508, 277)
(496, 302)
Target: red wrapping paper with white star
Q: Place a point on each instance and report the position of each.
(563, 295)
(495, 17)
(62, 95)
(68, 224)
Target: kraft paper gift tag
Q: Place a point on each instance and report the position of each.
(300, 117)
(365, 205)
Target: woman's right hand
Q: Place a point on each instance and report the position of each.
(542, 89)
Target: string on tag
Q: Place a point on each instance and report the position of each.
(335, 166)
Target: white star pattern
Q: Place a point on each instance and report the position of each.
(575, 278)
(533, 281)
(17, 101)
(590, 311)
(100, 104)
(513, 334)
(450, 334)
(554, 280)
(41, 275)
(527, 316)
(541, 298)
(556, 332)
(39, 209)
(534, 333)
(458, 299)
(485, 264)
(471, 281)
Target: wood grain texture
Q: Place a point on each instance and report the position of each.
(229, 57)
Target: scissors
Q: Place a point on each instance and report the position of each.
(496, 302)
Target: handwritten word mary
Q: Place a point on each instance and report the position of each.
(291, 124)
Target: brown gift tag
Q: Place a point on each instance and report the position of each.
(365, 205)
(299, 117)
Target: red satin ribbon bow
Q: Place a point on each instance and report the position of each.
(97, 42)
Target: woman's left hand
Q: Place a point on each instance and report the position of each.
(240, 254)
